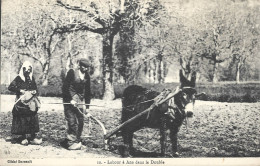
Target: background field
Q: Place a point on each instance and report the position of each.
(216, 130)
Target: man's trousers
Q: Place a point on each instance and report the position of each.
(75, 122)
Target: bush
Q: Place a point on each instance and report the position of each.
(50, 91)
(230, 92)
(4, 90)
(214, 92)
(56, 90)
(96, 91)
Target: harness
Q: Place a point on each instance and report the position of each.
(174, 110)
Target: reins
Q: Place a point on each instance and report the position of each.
(177, 89)
(104, 106)
(110, 107)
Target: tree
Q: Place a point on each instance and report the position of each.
(106, 18)
(218, 35)
(247, 38)
(159, 44)
(34, 34)
(185, 37)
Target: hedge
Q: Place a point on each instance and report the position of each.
(214, 92)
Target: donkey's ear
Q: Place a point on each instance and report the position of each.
(182, 78)
(193, 78)
(181, 75)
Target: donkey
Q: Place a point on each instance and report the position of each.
(169, 115)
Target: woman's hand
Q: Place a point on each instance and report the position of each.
(22, 91)
(33, 92)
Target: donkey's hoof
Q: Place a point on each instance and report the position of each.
(175, 155)
(124, 151)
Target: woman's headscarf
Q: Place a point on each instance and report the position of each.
(26, 65)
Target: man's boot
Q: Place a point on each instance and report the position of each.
(75, 146)
(34, 140)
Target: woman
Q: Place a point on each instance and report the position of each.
(25, 118)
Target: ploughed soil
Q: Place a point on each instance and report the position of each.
(216, 130)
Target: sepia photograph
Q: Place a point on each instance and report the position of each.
(130, 82)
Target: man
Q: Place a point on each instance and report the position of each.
(76, 91)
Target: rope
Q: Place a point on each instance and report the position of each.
(104, 106)
(177, 89)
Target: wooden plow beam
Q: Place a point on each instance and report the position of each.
(164, 96)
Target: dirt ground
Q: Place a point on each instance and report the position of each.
(216, 130)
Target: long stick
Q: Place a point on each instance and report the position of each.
(77, 104)
(156, 103)
(19, 99)
(104, 106)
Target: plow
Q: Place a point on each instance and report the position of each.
(104, 134)
(164, 96)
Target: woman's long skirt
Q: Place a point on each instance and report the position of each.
(24, 123)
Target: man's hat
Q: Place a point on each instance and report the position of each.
(84, 62)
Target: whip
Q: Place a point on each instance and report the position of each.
(78, 104)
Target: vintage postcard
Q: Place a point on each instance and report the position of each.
(130, 82)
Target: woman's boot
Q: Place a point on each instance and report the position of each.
(24, 140)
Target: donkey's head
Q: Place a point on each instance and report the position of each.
(186, 98)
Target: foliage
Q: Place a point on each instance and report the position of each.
(218, 39)
(34, 35)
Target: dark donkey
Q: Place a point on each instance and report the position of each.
(169, 115)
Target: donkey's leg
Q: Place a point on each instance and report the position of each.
(128, 142)
(163, 136)
(173, 137)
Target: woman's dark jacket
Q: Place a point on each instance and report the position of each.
(16, 85)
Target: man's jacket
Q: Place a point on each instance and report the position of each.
(73, 85)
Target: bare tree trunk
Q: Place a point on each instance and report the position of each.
(45, 73)
(238, 72)
(46, 65)
(155, 78)
(145, 70)
(160, 71)
(149, 72)
(108, 88)
(215, 70)
(69, 63)
(165, 71)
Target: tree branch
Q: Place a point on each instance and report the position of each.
(76, 27)
(77, 8)
(210, 57)
(34, 58)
